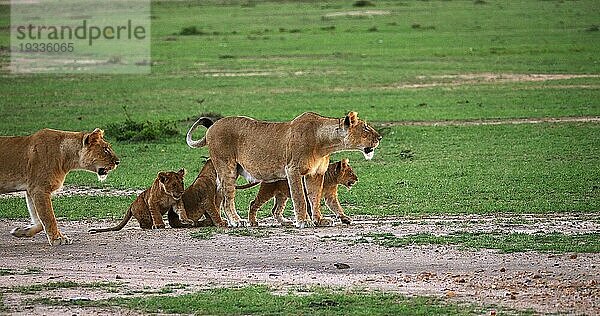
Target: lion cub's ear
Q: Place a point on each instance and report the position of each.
(93, 137)
(181, 172)
(351, 119)
(162, 177)
(345, 162)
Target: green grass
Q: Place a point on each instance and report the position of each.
(72, 208)
(210, 232)
(310, 61)
(259, 300)
(506, 243)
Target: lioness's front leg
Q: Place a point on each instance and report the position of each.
(297, 192)
(314, 187)
(43, 206)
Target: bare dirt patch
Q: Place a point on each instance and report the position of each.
(72, 190)
(483, 78)
(141, 261)
(356, 13)
(566, 119)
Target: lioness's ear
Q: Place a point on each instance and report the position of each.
(338, 167)
(162, 177)
(181, 172)
(345, 161)
(351, 119)
(93, 137)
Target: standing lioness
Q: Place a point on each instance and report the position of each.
(39, 163)
(269, 151)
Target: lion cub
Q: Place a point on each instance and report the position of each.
(337, 173)
(149, 207)
(201, 199)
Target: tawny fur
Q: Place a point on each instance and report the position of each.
(39, 163)
(269, 151)
(201, 199)
(149, 207)
(338, 173)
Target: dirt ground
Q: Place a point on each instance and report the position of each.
(146, 261)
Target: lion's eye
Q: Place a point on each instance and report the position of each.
(106, 151)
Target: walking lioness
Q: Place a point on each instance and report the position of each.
(39, 163)
(270, 151)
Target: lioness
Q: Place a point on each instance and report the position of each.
(337, 173)
(149, 207)
(39, 163)
(271, 151)
(202, 199)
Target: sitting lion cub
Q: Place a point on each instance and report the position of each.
(149, 207)
(201, 199)
(39, 163)
(337, 173)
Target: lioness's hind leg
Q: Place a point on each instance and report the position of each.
(227, 176)
(297, 192)
(314, 188)
(36, 225)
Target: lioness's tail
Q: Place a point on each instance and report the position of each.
(246, 186)
(206, 122)
(118, 227)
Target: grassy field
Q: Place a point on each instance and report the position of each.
(413, 60)
(260, 300)
(401, 61)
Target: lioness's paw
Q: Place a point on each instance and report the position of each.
(19, 232)
(324, 222)
(158, 226)
(305, 224)
(253, 223)
(60, 240)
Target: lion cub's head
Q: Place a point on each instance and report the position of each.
(343, 173)
(172, 183)
(97, 155)
(360, 136)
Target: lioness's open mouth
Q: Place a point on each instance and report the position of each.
(368, 152)
(102, 173)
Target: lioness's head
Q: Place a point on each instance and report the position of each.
(172, 183)
(343, 173)
(97, 155)
(360, 136)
